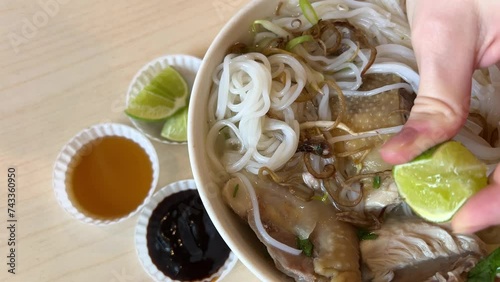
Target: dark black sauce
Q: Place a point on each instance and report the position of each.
(182, 240)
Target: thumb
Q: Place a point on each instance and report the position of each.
(444, 46)
(439, 111)
(480, 211)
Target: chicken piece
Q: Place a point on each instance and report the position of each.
(376, 111)
(335, 254)
(386, 109)
(414, 250)
(461, 266)
(490, 235)
(237, 197)
(375, 199)
(375, 204)
(366, 220)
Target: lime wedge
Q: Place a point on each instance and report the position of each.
(162, 97)
(175, 128)
(438, 182)
(170, 84)
(149, 107)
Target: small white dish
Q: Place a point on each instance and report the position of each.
(186, 65)
(65, 164)
(141, 232)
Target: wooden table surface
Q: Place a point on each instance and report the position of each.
(65, 65)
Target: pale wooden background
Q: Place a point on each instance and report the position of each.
(65, 70)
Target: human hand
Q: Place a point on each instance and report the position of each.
(450, 40)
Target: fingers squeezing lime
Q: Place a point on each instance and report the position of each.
(438, 182)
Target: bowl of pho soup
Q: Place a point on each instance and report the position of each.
(289, 109)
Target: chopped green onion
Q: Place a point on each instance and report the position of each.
(364, 234)
(376, 181)
(306, 246)
(235, 191)
(486, 269)
(298, 40)
(271, 27)
(254, 26)
(308, 11)
(318, 150)
(320, 198)
(263, 23)
(325, 197)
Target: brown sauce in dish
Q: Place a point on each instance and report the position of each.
(182, 240)
(111, 177)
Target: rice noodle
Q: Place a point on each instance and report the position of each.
(482, 151)
(403, 71)
(379, 90)
(246, 92)
(371, 133)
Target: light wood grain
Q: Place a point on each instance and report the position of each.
(70, 72)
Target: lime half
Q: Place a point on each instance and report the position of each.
(438, 182)
(175, 128)
(162, 97)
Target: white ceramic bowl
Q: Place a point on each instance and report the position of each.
(141, 232)
(65, 164)
(237, 235)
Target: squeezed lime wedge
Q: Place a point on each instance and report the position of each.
(438, 182)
